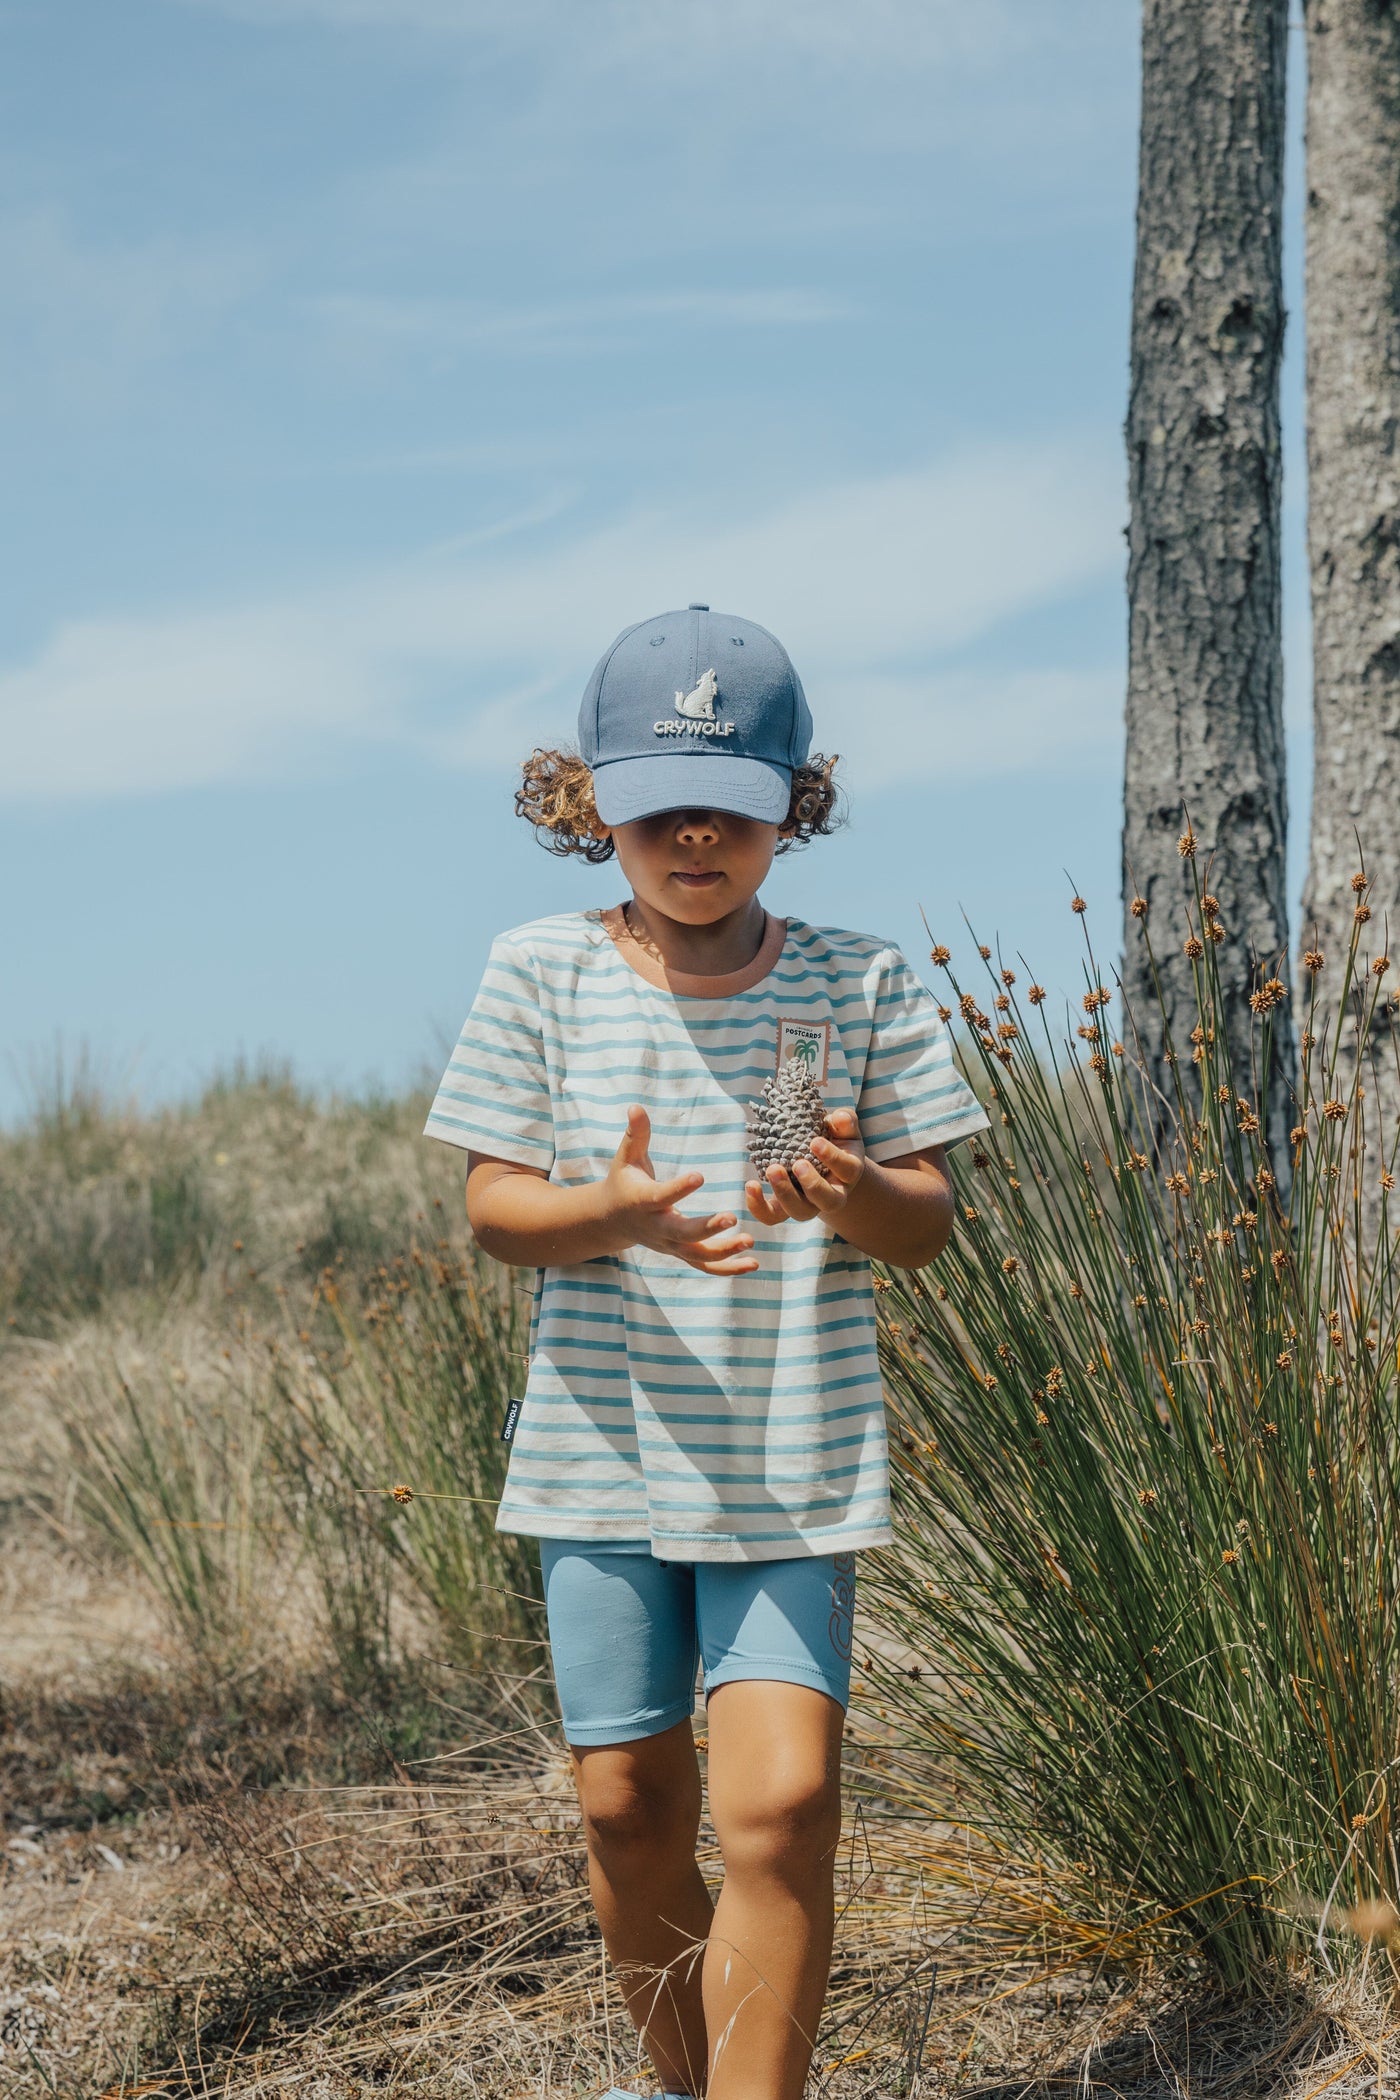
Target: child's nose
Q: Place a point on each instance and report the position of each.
(697, 827)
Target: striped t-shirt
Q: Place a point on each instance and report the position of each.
(724, 1418)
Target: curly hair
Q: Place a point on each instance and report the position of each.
(556, 796)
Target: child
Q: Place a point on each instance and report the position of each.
(701, 1450)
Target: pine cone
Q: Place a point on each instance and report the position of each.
(784, 1121)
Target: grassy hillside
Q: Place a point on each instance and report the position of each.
(286, 1806)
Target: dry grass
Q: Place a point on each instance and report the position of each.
(431, 1936)
(231, 1869)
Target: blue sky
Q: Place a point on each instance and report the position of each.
(368, 364)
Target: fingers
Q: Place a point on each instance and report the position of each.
(844, 1168)
(668, 1193)
(725, 1253)
(734, 1265)
(789, 1195)
(680, 1226)
(636, 1138)
(842, 1124)
(824, 1196)
(761, 1204)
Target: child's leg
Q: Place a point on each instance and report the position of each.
(775, 1798)
(641, 1813)
(624, 1643)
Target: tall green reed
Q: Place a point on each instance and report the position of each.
(273, 1464)
(386, 1421)
(1142, 1610)
(175, 1481)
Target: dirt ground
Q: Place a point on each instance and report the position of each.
(230, 1877)
(244, 1889)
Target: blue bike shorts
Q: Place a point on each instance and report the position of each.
(627, 1632)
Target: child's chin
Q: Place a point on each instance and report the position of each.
(698, 905)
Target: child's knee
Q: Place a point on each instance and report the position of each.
(785, 1826)
(634, 1813)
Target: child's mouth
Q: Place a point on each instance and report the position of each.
(698, 878)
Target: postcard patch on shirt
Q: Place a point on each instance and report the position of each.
(808, 1041)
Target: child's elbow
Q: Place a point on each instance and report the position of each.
(926, 1245)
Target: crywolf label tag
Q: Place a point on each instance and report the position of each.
(508, 1426)
(810, 1043)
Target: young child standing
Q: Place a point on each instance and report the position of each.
(701, 1451)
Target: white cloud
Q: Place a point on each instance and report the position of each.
(870, 583)
(941, 32)
(88, 311)
(975, 724)
(884, 69)
(571, 327)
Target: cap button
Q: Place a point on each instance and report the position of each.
(697, 608)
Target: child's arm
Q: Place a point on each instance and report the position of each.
(521, 1217)
(900, 1212)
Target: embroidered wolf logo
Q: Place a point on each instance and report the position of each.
(699, 704)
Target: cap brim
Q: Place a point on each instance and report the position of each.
(630, 788)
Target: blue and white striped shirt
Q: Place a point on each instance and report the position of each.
(728, 1418)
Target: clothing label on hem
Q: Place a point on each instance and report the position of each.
(810, 1043)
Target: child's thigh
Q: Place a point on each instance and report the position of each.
(778, 1621)
(622, 1636)
(775, 1775)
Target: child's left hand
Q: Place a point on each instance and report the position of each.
(810, 1190)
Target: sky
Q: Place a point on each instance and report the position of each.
(367, 365)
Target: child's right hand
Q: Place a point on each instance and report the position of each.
(643, 1209)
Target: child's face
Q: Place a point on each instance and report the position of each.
(696, 865)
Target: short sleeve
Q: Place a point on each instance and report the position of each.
(913, 1094)
(494, 1095)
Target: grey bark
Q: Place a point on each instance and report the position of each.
(1353, 379)
(1205, 666)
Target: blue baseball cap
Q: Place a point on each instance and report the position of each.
(694, 710)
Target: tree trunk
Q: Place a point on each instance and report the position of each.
(1353, 328)
(1205, 664)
